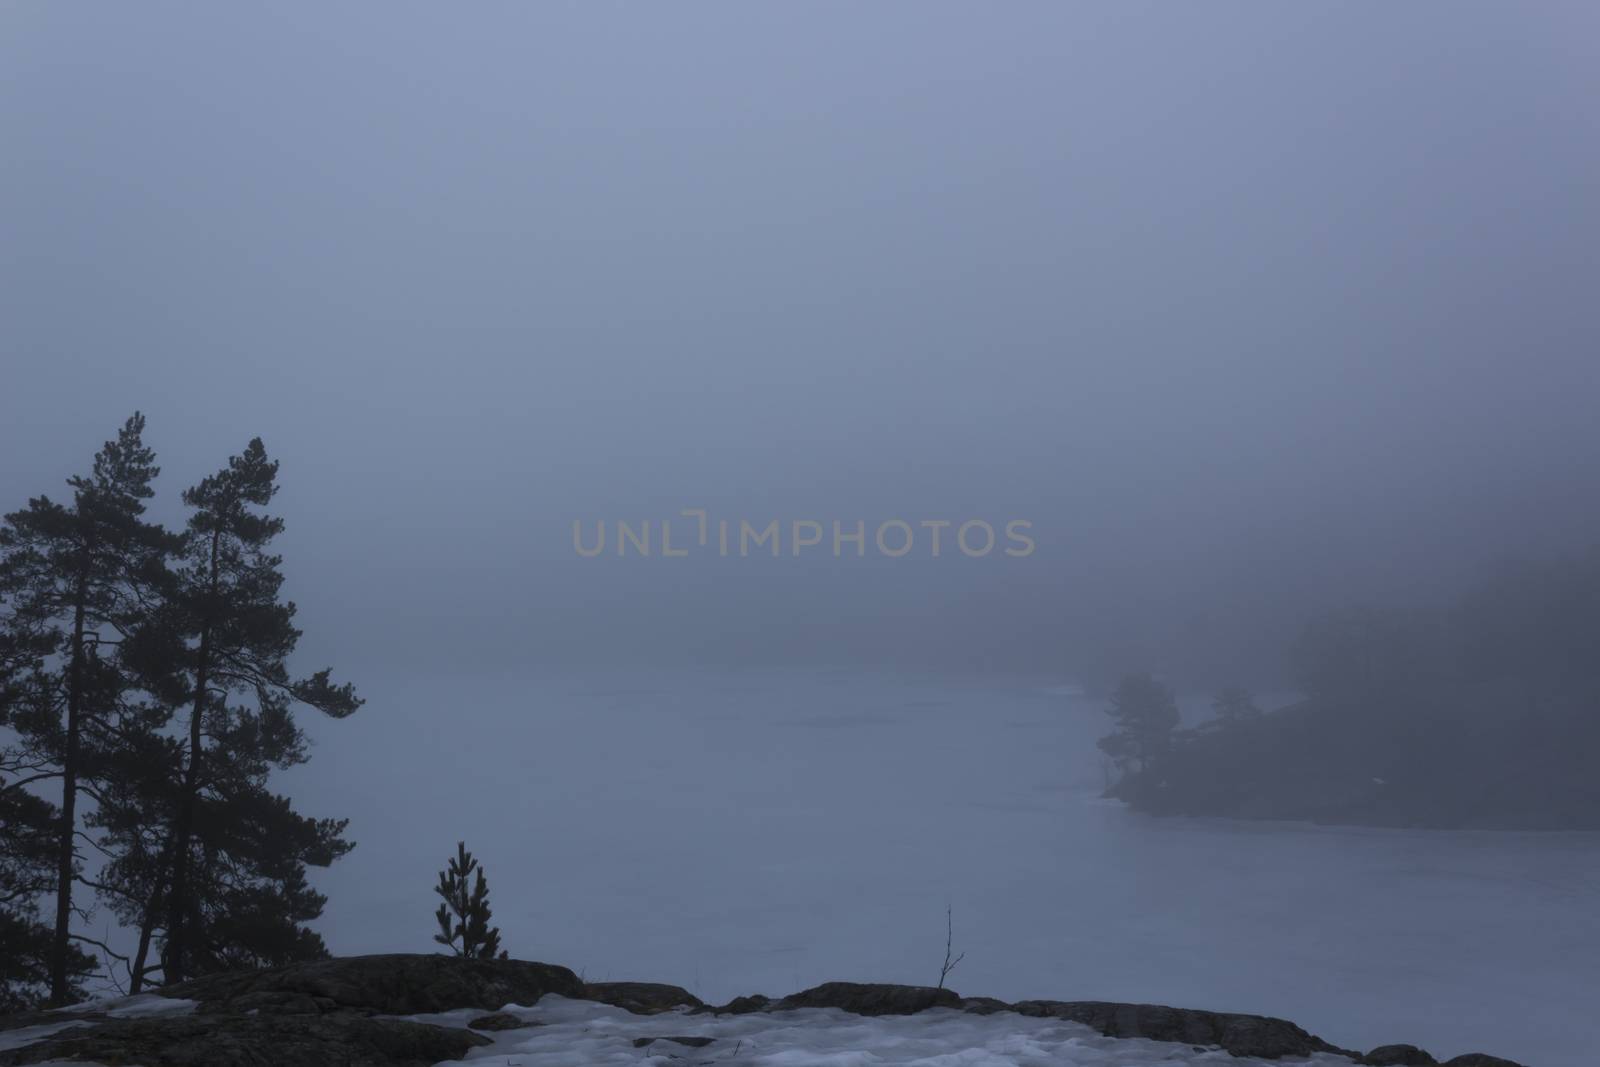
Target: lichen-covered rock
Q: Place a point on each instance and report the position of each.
(345, 1038)
(1242, 1035)
(863, 998)
(395, 984)
(641, 998)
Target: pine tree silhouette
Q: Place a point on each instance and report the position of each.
(464, 917)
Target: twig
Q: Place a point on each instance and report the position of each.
(949, 964)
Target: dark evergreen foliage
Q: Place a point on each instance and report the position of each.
(238, 854)
(464, 915)
(27, 872)
(1479, 712)
(77, 579)
(1146, 714)
(109, 626)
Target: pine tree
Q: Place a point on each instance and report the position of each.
(464, 916)
(27, 872)
(133, 815)
(233, 848)
(28, 837)
(1146, 714)
(76, 579)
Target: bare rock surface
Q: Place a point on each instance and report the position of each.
(686, 1042)
(871, 999)
(501, 1020)
(344, 1038)
(1242, 1035)
(738, 1006)
(641, 998)
(393, 984)
(1397, 1056)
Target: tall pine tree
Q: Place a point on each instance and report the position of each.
(77, 579)
(237, 853)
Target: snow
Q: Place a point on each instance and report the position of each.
(121, 1007)
(143, 1005)
(146, 1004)
(576, 1032)
(23, 1036)
(570, 1033)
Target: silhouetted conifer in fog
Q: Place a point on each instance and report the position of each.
(28, 849)
(1146, 714)
(464, 916)
(236, 893)
(29, 836)
(77, 580)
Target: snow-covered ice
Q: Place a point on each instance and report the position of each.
(575, 1033)
(763, 831)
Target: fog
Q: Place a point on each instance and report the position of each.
(1245, 312)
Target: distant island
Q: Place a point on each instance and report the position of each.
(1482, 713)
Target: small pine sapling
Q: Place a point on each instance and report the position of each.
(464, 916)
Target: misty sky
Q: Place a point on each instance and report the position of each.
(1246, 307)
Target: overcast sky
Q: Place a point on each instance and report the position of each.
(1245, 307)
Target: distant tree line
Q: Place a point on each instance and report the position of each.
(145, 699)
(1480, 711)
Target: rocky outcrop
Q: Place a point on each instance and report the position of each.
(1397, 1056)
(738, 1006)
(394, 984)
(983, 1005)
(324, 1011)
(345, 1038)
(686, 1042)
(641, 998)
(1242, 1035)
(500, 1020)
(870, 999)
(341, 1011)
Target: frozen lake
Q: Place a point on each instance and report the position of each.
(763, 831)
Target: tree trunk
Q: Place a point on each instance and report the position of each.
(66, 852)
(178, 898)
(146, 928)
(178, 894)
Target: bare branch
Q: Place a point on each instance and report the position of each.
(949, 938)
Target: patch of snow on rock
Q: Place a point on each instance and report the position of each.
(565, 1032)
